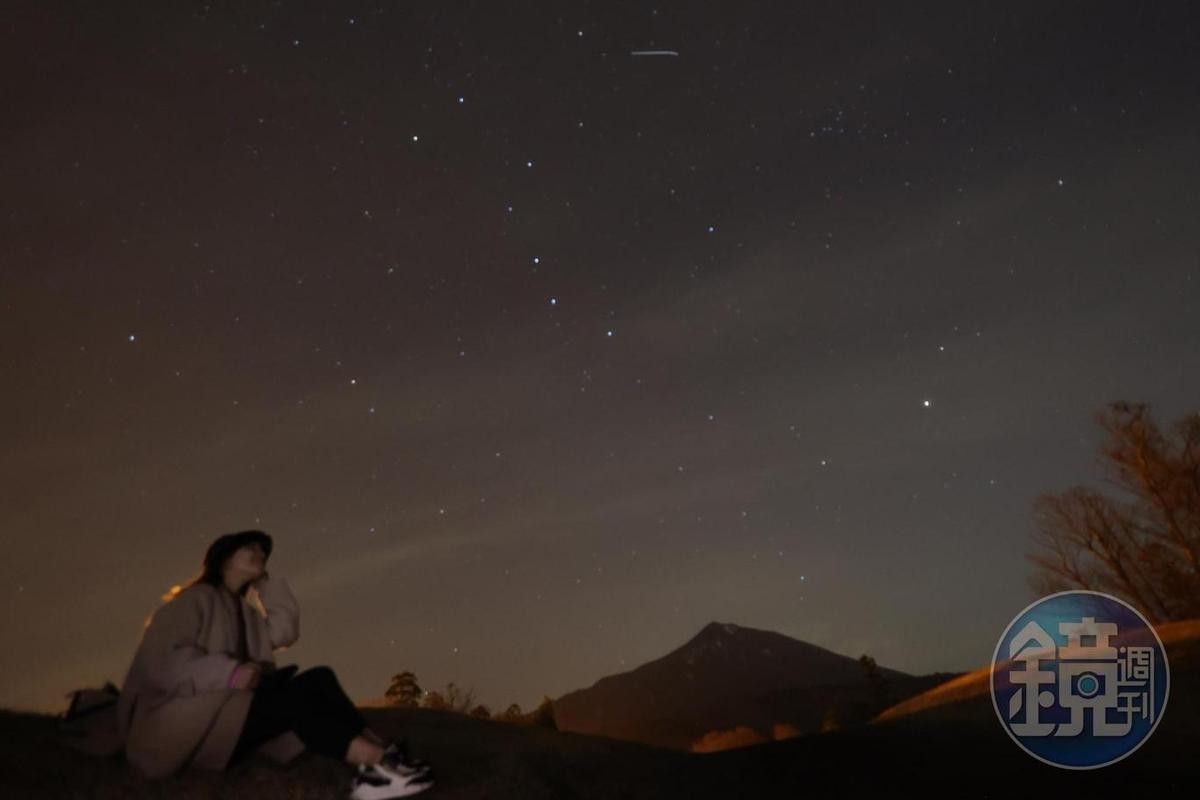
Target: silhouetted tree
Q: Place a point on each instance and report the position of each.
(435, 700)
(543, 715)
(1144, 548)
(458, 699)
(404, 690)
(512, 713)
(481, 711)
(879, 684)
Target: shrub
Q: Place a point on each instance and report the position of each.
(404, 690)
(543, 715)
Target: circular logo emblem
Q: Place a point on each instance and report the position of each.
(1080, 679)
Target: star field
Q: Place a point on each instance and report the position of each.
(535, 353)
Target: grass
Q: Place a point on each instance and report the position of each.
(954, 751)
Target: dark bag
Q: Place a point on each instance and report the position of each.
(90, 722)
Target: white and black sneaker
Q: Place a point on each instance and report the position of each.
(395, 754)
(384, 781)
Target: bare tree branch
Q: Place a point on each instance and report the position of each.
(1146, 550)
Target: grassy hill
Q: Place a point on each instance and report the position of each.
(475, 758)
(967, 697)
(906, 757)
(948, 744)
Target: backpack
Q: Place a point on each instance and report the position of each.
(89, 725)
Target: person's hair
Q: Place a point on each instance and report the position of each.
(211, 569)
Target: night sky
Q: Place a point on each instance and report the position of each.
(534, 355)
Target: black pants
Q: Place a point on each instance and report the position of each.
(312, 704)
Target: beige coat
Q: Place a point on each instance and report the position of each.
(175, 708)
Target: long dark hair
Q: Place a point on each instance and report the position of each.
(211, 570)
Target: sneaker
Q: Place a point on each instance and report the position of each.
(395, 755)
(383, 782)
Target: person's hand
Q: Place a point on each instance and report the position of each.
(247, 675)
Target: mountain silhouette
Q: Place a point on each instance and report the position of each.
(728, 675)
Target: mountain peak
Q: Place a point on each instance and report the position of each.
(714, 636)
(725, 675)
(719, 629)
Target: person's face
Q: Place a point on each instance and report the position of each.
(246, 564)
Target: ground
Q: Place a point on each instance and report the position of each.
(956, 753)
